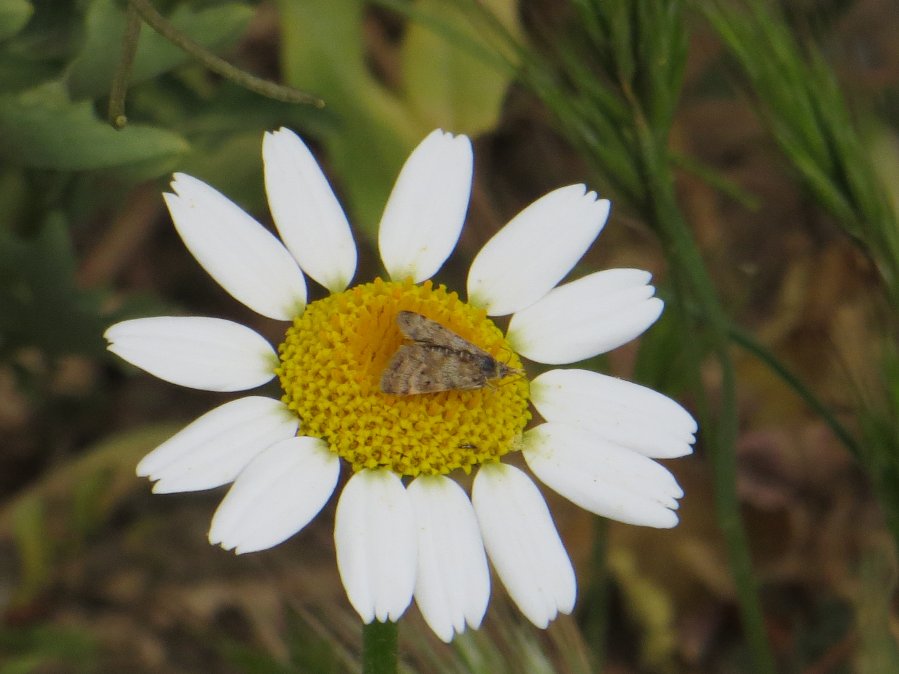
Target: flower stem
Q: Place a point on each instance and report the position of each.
(379, 647)
(596, 594)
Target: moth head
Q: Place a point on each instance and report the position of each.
(494, 369)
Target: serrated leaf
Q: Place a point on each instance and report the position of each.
(14, 14)
(90, 74)
(451, 79)
(41, 129)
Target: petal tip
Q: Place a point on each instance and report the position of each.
(181, 181)
(672, 522)
(243, 550)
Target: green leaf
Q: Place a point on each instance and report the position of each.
(451, 80)
(371, 132)
(232, 163)
(41, 129)
(44, 648)
(323, 46)
(90, 74)
(877, 648)
(18, 74)
(40, 303)
(14, 14)
(33, 546)
(44, 519)
(374, 128)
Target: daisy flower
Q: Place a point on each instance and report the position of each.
(404, 527)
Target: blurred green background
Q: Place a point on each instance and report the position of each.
(750, 149)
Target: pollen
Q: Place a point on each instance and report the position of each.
(332, 359)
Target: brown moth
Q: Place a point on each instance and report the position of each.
(437, 360)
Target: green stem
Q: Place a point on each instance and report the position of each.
(379, 648)
(116, 114)
(596, 595)
(664, 213)
(278, 92)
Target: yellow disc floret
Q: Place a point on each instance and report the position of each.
(332, 359)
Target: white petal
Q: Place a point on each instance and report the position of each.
(212, 450)
(535, 250)
(453, 584)
(205, 353)
(238, 252)
(622, 412)
(581, 319)
(523, 544)
(309, 218)
(374, 533)
(424, 214)
(602, 478)
(276, 495)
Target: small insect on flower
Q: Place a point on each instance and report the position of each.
(438, 360)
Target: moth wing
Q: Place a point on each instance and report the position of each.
(421, 329)
(420, 368)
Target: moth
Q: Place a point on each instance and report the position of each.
(437, 360)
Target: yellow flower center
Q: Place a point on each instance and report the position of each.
(332, 360)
